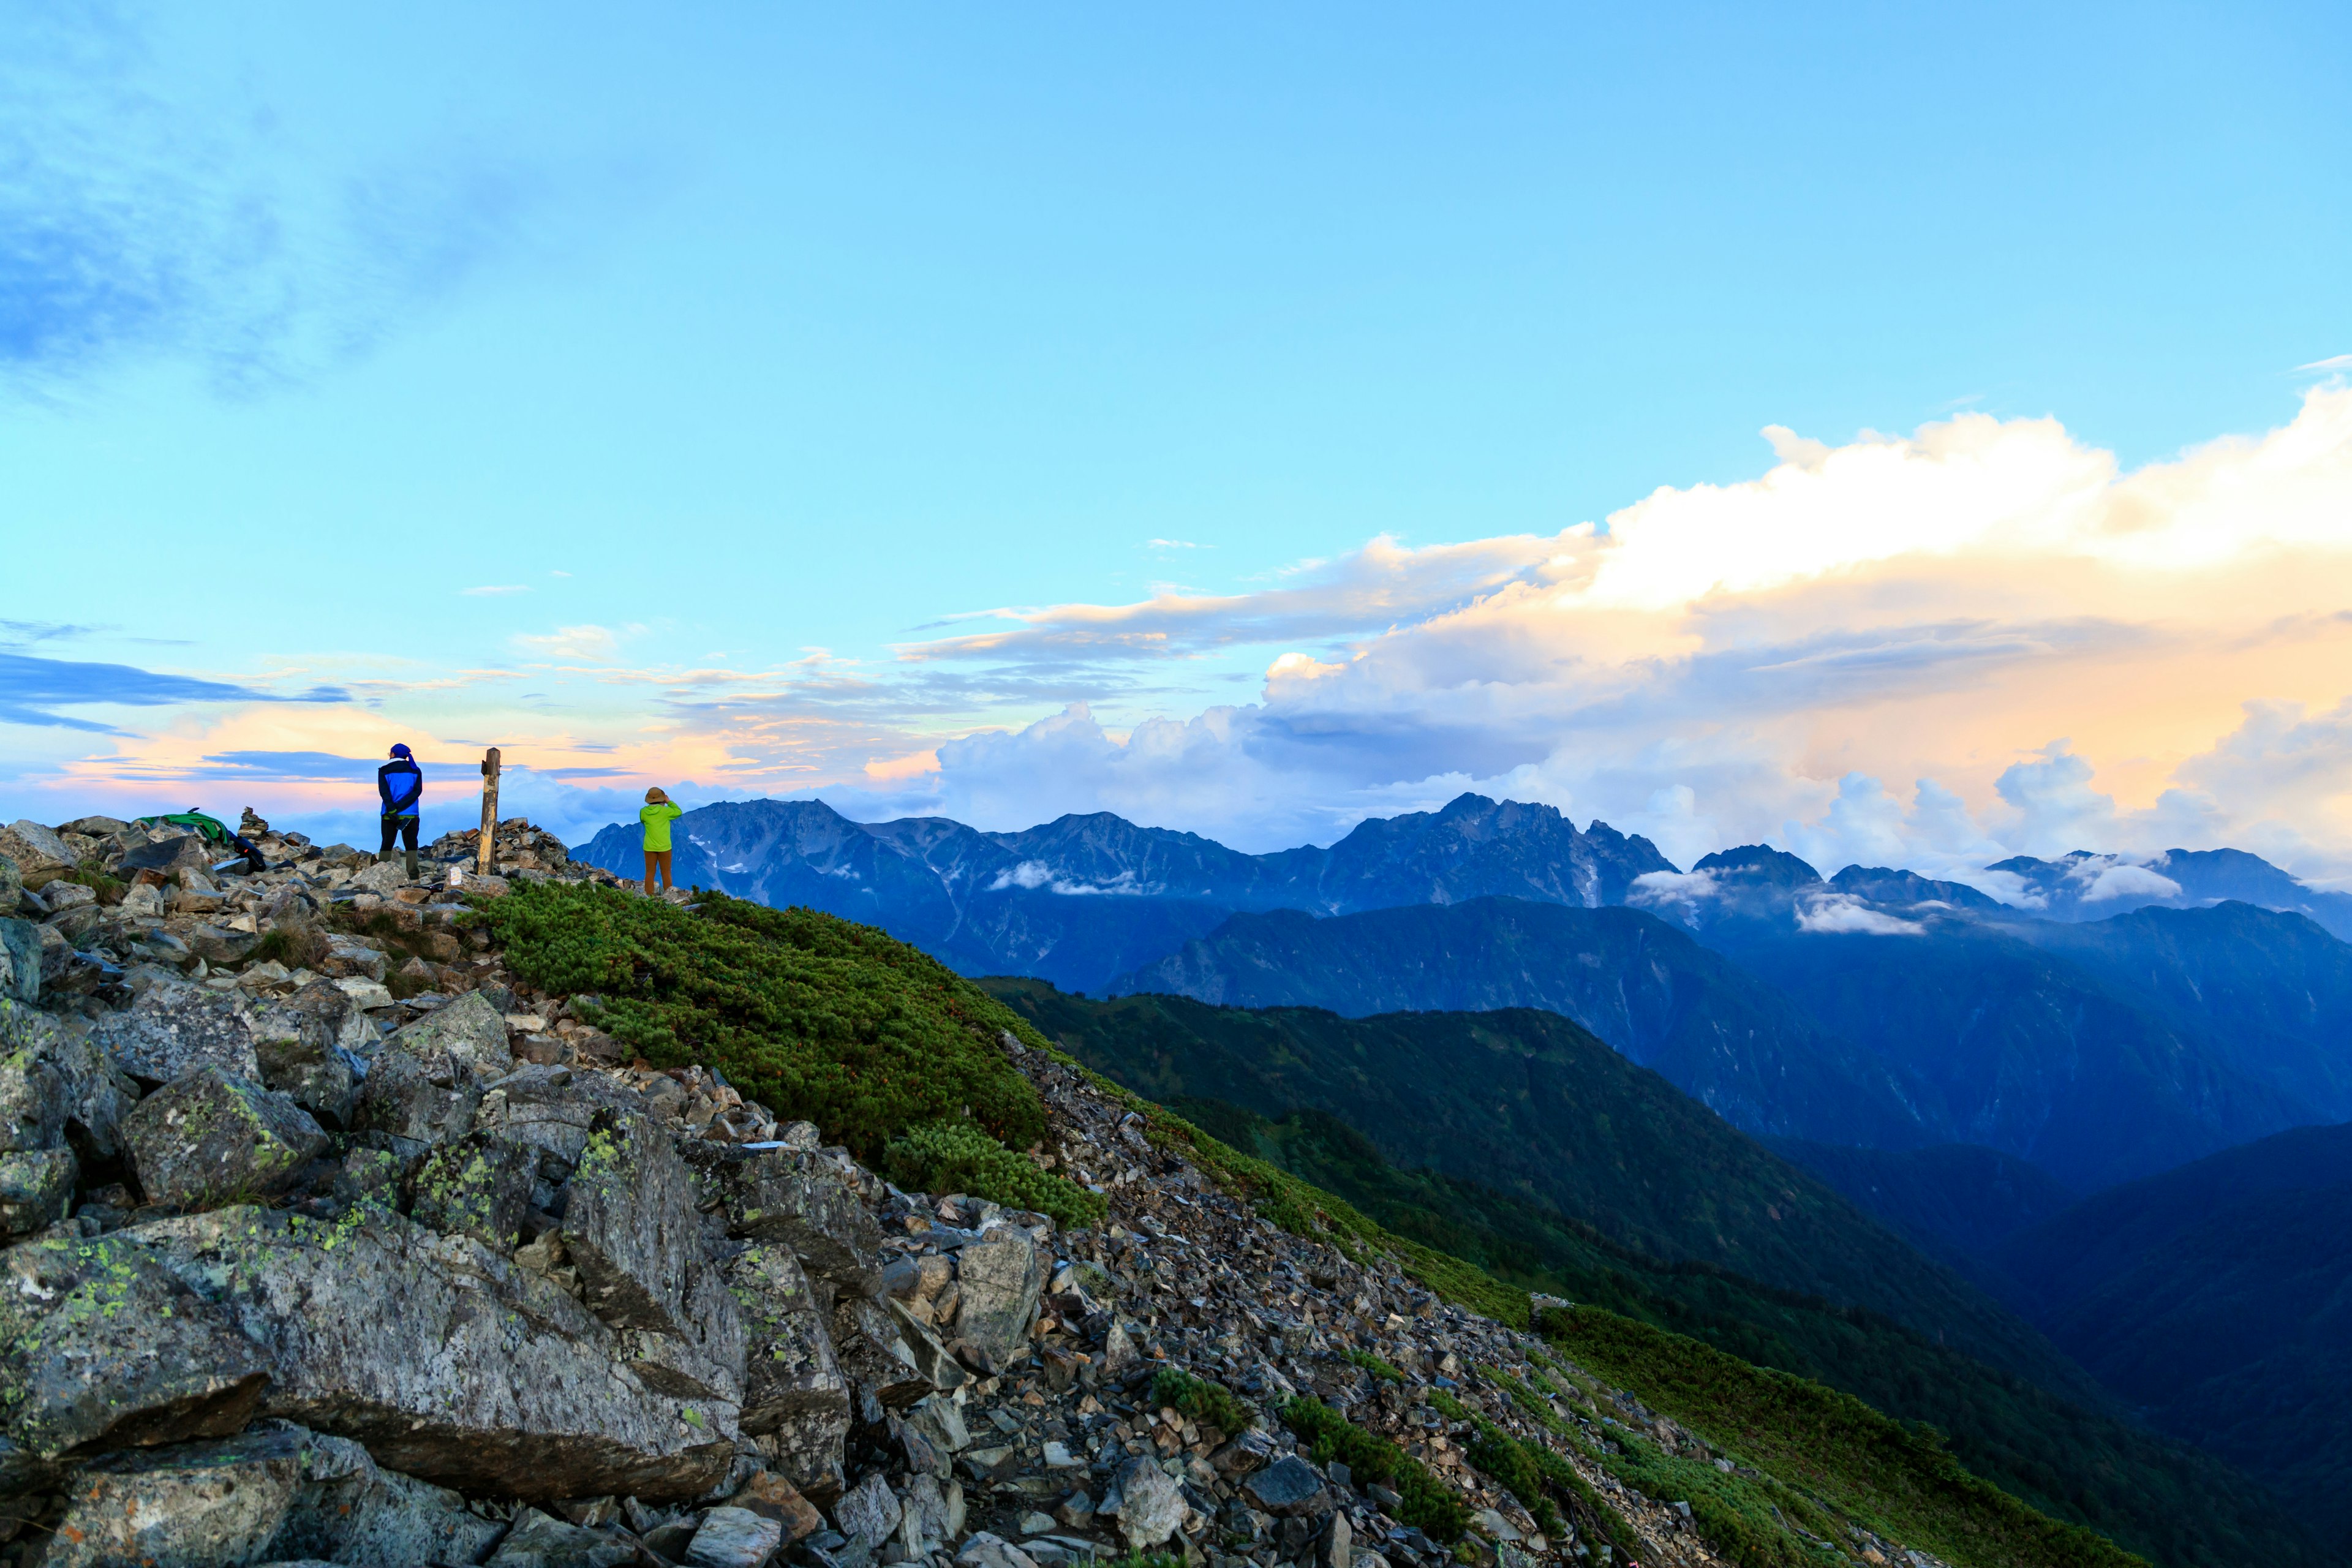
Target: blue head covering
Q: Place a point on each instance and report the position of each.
(400, 751)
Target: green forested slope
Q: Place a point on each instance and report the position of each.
(1529, 1103)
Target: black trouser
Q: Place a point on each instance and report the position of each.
(402, 828)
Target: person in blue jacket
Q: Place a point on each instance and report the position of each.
(401, 783)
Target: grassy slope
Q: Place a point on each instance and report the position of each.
(821, 1014)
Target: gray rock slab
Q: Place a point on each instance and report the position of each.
(1288, 1487)
(468, 1028)
(1148, 1505)
(999, 1283)
(541, 1541)
(868, 1512)
(415, 1102)
(984, 1549)
(447, 1360)
(478, 1186)
(632, 1224)
(300, 1050)
(733, 1538)
(170, 1030)
(106, 1348)
(209, 1138)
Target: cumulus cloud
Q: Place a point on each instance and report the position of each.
(1934, 650)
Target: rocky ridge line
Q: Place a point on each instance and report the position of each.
(304, 1270)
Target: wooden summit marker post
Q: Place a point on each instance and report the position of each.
(484, 855)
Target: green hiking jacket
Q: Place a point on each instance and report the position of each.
(658, 819)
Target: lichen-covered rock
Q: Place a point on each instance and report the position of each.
(632, 1225)
(796, 1399)
(552, 1107)
(37, 1189)
(450, 1362)
(209, 1138)
(478, 1186)
(802, 1199)
(998, 1284)
(101, 1347)
(468, 1029)
(173, 1029)
(273, 1495)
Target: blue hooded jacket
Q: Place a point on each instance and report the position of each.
(401, 783)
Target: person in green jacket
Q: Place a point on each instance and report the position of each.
(659, 812)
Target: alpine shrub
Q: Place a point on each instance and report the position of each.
(957, 1157)
(822, 1020)
(1332, 1435)
(1173, 1389)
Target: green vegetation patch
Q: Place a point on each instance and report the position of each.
(1204, 1401)
(1374, 1365)
(957, 1157)
(1328, 1435)
(1898, 1478)
(820, 1019)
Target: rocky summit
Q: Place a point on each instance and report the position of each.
(329, 1240)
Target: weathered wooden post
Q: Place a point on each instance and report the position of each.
(486, 856)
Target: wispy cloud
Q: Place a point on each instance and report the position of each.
(582, 642)
(495, 590)
(2334, 361)
(33, 691)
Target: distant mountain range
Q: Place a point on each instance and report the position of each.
(1878, 1007)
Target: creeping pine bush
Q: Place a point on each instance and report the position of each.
(1332, 1435)
(957, 1157)
(820, 1019)
(1201, 1400)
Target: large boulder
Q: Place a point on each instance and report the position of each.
(806, 1200)
(301, 1057)
(447, 1360)
(39, 853)
(386, 876)
(55, 1085)
(37, 1189)
(1148, 1505)
(276, 1494)
(412, 1102)
(468, 1029)
(796, 1399)
(168, 855)
(632, 1225)
(210, 1138)
(998, 1284)
(105, 1348)
(172, 1029)
(20, 960)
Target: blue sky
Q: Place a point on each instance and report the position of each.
(678, 396)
